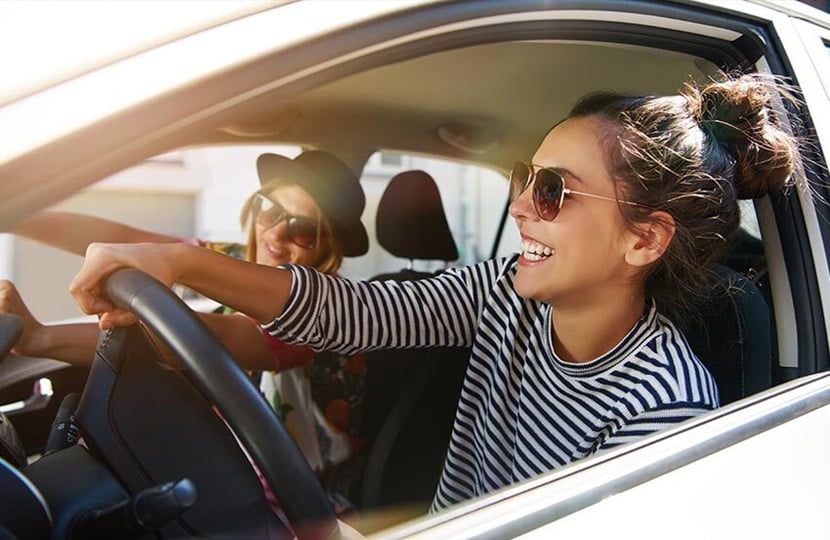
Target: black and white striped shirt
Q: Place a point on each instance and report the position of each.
(522, 411)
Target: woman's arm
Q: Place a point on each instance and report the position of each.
(74, 232)
(73, 343)
(654, 420)
(249, 346)
(257, 290)
(326, 312)
(348, 316)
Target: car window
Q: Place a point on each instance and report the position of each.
(636, 47)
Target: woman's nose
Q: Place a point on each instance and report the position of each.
(522, 206)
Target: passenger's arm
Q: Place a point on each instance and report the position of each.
(73, 343)
(243, 340)
(74, 232)
(245, 343)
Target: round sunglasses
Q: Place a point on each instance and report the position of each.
(300, 230)
(549, 189)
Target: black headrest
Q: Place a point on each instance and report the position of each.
(410, 219)
(732, 335)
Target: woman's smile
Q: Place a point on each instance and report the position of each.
(533, 251)
(277, 253)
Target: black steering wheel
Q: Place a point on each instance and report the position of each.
(217, 376)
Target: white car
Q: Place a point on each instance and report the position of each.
(474, 81)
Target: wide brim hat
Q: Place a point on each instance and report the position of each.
(332, 185)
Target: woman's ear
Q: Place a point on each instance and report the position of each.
(650, 240)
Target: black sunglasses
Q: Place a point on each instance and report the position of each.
(301, 230)
(549, 189)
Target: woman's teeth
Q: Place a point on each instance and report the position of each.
(533, 251)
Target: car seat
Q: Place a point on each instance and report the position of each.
(411, 223)
(411, 395)
(733, 335)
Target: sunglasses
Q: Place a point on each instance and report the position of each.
(549, 189)
(302, 231)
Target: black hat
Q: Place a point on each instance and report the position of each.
(332, 185)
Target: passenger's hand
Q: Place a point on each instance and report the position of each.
(103, 259)
(12, 302)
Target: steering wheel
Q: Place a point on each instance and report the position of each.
(217, 376)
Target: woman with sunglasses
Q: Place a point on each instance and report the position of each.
(621, 210)
(307, 212)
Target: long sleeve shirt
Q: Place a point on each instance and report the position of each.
(522, 411)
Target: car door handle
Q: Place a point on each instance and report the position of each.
(41, 396)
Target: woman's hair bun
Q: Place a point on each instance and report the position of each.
(737, 114)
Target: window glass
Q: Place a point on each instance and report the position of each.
(198, 193)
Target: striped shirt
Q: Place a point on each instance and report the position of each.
(522, 411)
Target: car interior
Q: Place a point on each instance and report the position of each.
(485, 98)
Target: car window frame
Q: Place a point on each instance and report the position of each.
(816, 43)
(796, 237)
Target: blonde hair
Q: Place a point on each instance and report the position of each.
(330, 253)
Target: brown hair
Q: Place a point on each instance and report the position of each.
(331, 253)
(693, 156)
